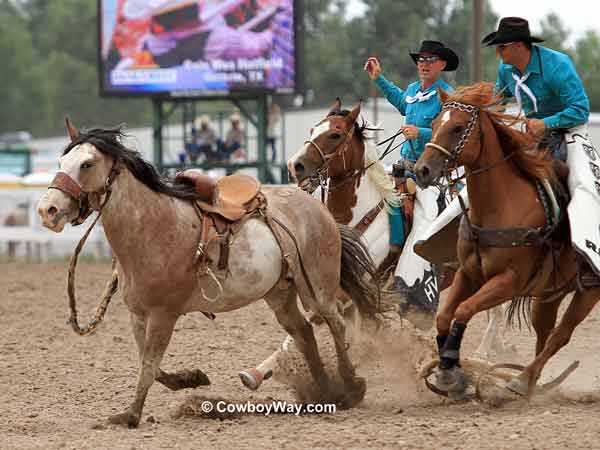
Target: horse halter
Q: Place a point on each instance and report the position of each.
(455, 153)
(64, 183)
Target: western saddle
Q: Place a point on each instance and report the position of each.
(222, 207)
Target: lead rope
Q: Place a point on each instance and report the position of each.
(109, 290)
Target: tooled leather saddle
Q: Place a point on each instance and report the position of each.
(223, 206)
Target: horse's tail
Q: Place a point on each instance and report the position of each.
(358, 277)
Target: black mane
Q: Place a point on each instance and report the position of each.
(108, 141)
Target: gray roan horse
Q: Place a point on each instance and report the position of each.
(154, 230)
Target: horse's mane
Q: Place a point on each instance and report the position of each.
(108, 141)
(522, 146)
(359, 130)
(376, 170)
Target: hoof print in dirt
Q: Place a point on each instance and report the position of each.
(206, 408)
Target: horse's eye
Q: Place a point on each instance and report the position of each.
(334, 136)
(458, 128)
(86, 165)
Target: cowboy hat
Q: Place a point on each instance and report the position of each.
(204, 119)
(510, 29)
(438, 49)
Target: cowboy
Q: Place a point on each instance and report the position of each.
(548, 90)
(204, 140)
(233, 140)
(419, 103)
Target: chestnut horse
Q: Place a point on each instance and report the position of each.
(503, 245)
(154, 230)
(359, 194)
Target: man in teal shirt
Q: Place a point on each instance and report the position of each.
(420, 104)
(551, 95)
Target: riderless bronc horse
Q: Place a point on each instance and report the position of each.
(212, 248)
(340, 152)
(513, 240)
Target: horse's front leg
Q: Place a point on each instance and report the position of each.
(460, 290)
(159, 328)
(175, 381)
(493, 293)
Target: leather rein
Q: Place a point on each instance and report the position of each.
(496, 237)
(323, 171)
(323, 176)
(64, 183)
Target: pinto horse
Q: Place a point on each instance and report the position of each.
(510, 246)
(154, 231)
(359, 194)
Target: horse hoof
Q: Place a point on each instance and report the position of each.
(518, 386)
(453, 381)
(126, 419)
(251, 378)
(354, 393)
(197, 378)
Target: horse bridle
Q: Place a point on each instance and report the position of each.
(340, 150)
(64, 183)
(452, 156)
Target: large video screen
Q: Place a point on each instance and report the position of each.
(197, 47)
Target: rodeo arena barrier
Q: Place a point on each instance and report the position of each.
(23, 237)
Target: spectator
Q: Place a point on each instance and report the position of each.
(204, 140)
(233, 139)
(272, 121)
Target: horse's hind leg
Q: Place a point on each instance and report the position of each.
(354, 387)
(175, 381)
(579, 308)
(285, 307)
(543, 319)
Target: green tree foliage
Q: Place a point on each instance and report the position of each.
(49, 53)
(49, 56)
(21, 80)
(587, 62)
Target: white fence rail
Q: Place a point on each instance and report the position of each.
(28, 238)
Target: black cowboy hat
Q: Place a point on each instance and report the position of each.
(510, 29)
(438, 49)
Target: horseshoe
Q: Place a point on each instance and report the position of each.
(426, 372)
(542, 389)
(492, 369)
(559, 379)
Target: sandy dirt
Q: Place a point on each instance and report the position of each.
(57, 389)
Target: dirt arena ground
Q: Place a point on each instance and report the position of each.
(57, 389)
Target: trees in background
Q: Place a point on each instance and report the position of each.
(48, 53)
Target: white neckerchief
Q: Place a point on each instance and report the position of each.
(521, 86)
(420, 97)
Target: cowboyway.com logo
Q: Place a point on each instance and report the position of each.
(276, 407)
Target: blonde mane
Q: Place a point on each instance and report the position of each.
(377, 174)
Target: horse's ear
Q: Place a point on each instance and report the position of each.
(73, 132)
(443, 95)
(355, 112)
(336, 107)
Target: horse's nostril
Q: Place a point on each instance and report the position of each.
(52, 211)
(299, 167)
(424, 171)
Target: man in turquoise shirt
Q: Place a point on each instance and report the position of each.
(420, 104)
(551, 95)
